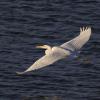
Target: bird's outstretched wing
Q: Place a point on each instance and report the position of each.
(79, 41)
(48, 59)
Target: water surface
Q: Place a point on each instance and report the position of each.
(27, 23)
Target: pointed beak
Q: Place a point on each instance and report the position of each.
(40, 47)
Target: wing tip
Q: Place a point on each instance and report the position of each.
(87, 28)
(20, 73)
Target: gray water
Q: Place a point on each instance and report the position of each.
(27, 23)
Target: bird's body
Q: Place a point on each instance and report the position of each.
(53, 54)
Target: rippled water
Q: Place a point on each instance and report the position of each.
(27, 23)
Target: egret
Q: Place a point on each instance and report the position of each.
(53, 54)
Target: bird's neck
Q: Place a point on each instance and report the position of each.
(48, 50)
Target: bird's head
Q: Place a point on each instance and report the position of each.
(43, 46)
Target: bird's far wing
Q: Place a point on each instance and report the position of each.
(79, 41)
(44, 61)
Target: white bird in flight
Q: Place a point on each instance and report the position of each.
(53, 54)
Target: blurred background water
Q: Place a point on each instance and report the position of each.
(27, 23)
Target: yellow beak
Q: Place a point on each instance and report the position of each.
(40, 47)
